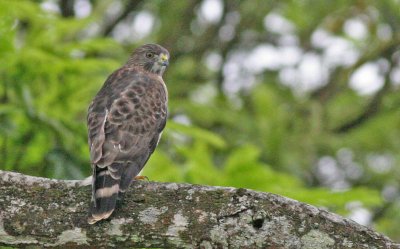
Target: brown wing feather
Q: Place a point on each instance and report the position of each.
(134, 119)
(96, 119)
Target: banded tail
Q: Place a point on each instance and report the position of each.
(105, 189)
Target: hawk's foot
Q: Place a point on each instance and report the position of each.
(140, 178)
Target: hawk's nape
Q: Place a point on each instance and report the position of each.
(125, 121)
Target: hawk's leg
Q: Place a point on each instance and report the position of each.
(120, 198)
(121, 195)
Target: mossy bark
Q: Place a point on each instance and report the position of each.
(39, 212)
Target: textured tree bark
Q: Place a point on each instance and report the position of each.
(52, 213)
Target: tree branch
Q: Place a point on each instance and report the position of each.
(130, 6)
(52, 213)
(339, 77)
(371, 110)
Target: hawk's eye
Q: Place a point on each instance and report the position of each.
(149, 55)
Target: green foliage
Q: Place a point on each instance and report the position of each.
(244, 168)
(40, 81)
(267, 136)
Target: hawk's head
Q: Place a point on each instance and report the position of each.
(151, 57)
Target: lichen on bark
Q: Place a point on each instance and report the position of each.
(52, 213)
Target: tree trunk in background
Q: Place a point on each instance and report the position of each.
(67, 8)
(52, 213)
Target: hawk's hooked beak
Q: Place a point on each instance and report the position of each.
(163, 60)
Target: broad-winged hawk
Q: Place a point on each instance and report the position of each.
(125, 121)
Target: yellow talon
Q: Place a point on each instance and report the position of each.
(141, 178)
